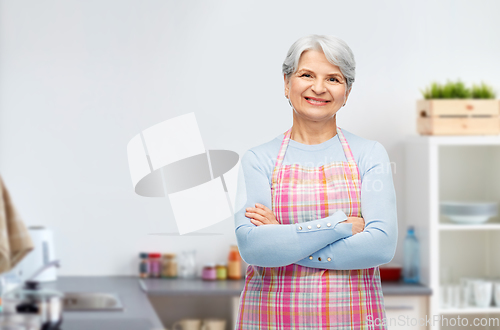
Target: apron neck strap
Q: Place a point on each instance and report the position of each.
(284, 146)
(347, 150)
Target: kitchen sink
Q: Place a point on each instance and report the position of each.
(85, 301)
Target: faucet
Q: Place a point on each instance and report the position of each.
(55, 263)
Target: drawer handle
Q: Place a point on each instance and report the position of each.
(400, 307)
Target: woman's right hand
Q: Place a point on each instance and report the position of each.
(358, 224)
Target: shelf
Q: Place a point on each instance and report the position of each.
(454, 227)
(470, 310)
(458, 140)
(453, 168)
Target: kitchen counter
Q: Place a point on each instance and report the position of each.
(198, 287)
(195, 287)
(405, 289)
(138, 314)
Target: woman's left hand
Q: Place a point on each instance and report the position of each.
(261, 215)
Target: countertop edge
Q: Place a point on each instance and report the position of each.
(198, 287)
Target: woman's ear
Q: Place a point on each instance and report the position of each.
(286, 85)
(347, 95)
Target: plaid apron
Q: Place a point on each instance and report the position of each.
(298, 297)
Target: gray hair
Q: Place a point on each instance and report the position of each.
(336, 52)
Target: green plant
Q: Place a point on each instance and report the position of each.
(432, 92)
(482, 91)
(457, 90)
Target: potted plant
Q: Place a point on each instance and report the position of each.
(454, 109)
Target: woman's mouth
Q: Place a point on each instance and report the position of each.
(315, 101)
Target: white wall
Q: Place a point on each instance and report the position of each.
(78, 79)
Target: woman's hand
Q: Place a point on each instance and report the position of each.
(358, 224)
(261, 215)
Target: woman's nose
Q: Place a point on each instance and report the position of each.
(318, 87)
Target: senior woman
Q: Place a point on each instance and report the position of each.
(319, 212)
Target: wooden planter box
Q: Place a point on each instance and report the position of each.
(458, 117)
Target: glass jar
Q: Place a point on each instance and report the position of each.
(187, 264)
(169, 266)
(208, 273)
(143, 265)
(221, 271)
(154, 264)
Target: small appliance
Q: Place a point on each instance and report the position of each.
(42, 254)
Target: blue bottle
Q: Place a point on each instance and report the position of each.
(411, 268)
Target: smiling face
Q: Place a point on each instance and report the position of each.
(317, 89)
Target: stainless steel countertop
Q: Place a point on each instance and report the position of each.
(197, 287)
(138, 313)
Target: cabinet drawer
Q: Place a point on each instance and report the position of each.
(405, 312)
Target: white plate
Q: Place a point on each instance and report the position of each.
(468, 219)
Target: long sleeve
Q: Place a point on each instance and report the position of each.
(277, 245)
(376, 245)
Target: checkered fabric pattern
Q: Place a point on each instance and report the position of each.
(298, 297)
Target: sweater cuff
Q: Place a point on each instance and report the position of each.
(329, 223)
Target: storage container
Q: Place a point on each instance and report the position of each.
(458, 117)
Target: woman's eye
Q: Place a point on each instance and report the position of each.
(306, 75)
(333, 80)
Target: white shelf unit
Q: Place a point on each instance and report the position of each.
(473, 311)
(486, 227)
(462, 168)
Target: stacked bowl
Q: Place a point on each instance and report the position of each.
(469, 212)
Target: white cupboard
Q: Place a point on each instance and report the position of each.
(453, 168)
(406, 312)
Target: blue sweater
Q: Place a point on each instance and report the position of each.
(281, 245)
